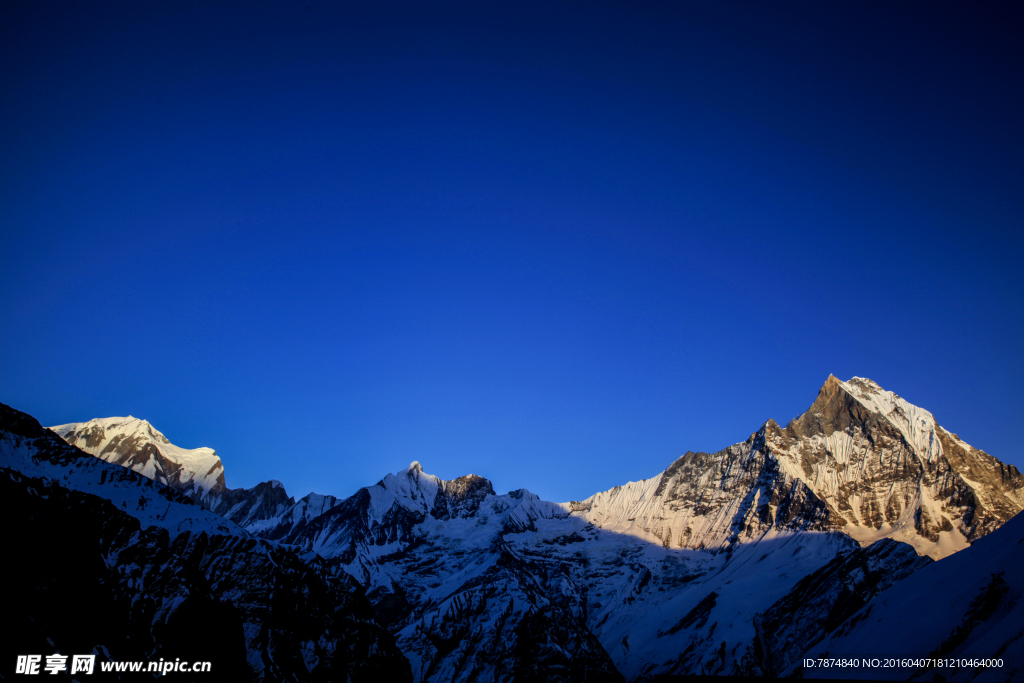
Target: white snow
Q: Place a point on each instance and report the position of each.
(411, 488)
(201, 467)
(635, 509)
(128, 491)
(916, 424)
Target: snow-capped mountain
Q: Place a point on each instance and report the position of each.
(821, 601)
(481, 586)
(861, 460)
(38, 453)
(463, 603)
(135, 444)
(196, 473)
(735, 562)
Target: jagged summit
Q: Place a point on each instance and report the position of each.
(36, 452)
(137, 445)
(421, 493)
(860, 460)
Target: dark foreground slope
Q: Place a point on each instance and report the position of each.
(93, 579)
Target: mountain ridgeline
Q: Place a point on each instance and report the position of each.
(737, 562)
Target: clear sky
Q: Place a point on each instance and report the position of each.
(553, 244)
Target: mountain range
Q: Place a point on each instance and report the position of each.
(861, 527)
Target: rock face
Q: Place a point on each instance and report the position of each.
(116, 565)
(268, 511)
(861, 460)
(481, 586)
(736, 562)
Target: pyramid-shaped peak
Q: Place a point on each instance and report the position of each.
(831, 386)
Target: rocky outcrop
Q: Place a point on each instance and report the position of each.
(711, 501)
(887, 469)
(462, 603)
(256, 611)
(460, 497)
(265, 510)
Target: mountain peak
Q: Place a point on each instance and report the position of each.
(857, 384)
(860, 460)
(136, 444)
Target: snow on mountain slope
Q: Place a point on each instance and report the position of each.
(137, 445)
(659, 610)
(124, 567)
(822, 600)
(726, 563)
(458, 573)
(378, 520)
(966, 606)
(29, 449)
(254, 508)
(265, 510)
(709, 502)
(861, 460)
(463, 604)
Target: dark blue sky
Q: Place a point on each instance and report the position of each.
(556, 245)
